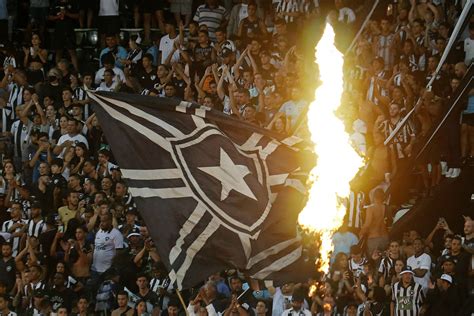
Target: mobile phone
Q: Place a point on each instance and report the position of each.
(61, 229)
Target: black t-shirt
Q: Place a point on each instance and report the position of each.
(250, 29)
(202, 55)
(462, 261)
(7, 272)
(267, 74)
(179, 84)
(69, 6)
(151, 298)
(146, 79)
(55, 92)
(440, 84)
(61, 299)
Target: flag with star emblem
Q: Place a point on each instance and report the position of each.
(214, 192)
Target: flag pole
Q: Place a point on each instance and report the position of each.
(182, 302)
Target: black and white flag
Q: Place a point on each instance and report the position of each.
(215, 192)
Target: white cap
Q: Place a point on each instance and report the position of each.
(447, 278)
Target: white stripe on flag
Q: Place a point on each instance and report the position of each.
(198, 121)
(290, 141)
(279, 264)
(148, 133)
(251, 142)
(296, 184)
(269, 149)
(271, 251)
(188, 226)
(277, 179)
(165, 193)
(183, 105)
(151, 174)
(150, 118)
(194, 249)
(201, 112)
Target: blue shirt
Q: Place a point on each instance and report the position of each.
(223, 289)
(154, 52)
(470, 105)
(121, 54)
(3, 10)
(343, 242)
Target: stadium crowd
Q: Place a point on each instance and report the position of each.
(72, 241)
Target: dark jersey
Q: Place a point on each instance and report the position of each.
(60, 7)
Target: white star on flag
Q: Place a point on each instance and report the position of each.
(231, 176)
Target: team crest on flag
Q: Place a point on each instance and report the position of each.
(214, 192)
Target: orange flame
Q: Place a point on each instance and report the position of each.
(337, 161)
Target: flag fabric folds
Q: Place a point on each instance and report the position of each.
(214, 192)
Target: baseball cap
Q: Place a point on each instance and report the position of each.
(134, 232)
(407, 269)
(447, 278)
(226, 52)
(228, 45)
(131, 210)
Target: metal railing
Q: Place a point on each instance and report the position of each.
(467, 83)
(462, 22)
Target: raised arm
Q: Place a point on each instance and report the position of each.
(39, 109)
(236, 67)
(412, 14)
(179, 70)
(233, 103)
(220, 84)
(207, 72)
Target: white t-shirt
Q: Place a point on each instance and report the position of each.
(280, 302)
(79, 138)
(293, 109)
(99, 76)
(469, 50)
(301, 312)
(421, 262)
(105, 245)
(166, 47)
(346, 15)
(109, 8)
(243, 12)
(104, 87)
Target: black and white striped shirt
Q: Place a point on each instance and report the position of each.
(407, 300)
(9, 61)
(401, 139)
(134, 56)
(373, 85)
(9, 112)
(357, 268)
(16, 240)
(288, 6)
(355, 205)
(385, 50)
(80, 94)
(155, 286)
(35, 228)
(386, 265)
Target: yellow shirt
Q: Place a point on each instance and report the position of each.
(65, 215)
